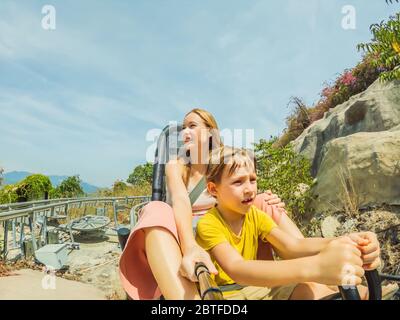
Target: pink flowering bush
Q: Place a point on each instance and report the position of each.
(349, 83)
(347, 78)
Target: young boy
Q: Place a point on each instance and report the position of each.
(230, 232)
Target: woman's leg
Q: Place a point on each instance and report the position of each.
(149, 264)
(310, 291)
(164, 257)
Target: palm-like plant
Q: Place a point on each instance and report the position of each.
(385, 47)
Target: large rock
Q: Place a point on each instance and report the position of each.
(363, 168)
(374, 110)
(329, 226)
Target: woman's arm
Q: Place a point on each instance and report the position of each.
(180, 203)
(287, 225)
(326, 267)
(275, 208)
(181, 206)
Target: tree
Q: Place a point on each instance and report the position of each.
(142, 175)
(385, 47)
(69, 188)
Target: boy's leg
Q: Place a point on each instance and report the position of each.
(263, 293)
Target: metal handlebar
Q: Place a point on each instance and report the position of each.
(374, 288)
(208, 288)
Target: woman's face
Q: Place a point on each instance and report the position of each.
(195, 134)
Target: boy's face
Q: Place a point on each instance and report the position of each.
(237, 191)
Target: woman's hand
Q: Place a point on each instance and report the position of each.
(273, 199)
(368, 244)
(192, 255)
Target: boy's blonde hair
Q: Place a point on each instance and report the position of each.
(228, 157)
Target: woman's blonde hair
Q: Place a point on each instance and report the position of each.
(228, 157)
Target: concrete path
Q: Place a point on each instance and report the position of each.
(36, 285)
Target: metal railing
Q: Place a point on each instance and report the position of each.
(15, 210)
(21, 205)
(16, 213)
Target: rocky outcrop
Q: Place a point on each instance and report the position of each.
(355, 151)
(359, 170)
(374, 110)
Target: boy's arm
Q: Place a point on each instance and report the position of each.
(290, 247)
(326, 267)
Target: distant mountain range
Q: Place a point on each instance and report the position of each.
(16, 176)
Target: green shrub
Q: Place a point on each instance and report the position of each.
(8, 194)
(33, 187)
(119, 188)
(285, 173)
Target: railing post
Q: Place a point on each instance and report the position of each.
(32, 228)
(66, 207)
(21, 235)
(14, 233)
(115, 214)
(44, 233)
(5, 240)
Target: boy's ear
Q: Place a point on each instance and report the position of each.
(212, 189)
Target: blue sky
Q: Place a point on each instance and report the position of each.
(80, 99)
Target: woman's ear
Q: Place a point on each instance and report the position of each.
(212, 188)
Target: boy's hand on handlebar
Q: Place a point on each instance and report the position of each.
(192, 255)
(368, 244)
(340, 263)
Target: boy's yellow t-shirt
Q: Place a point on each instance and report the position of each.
(213, 230)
